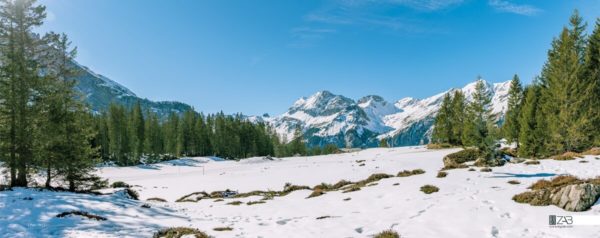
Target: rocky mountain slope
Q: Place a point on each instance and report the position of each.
(99, 92)
(327, 118)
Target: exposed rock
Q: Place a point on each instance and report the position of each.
(576, 197)
(566, 192)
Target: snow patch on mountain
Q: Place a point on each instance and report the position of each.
(334, 117)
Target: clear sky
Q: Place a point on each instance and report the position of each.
(260, 56)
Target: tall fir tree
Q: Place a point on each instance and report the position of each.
(459, 103)
(590, 92)
(442, 129)
(511, 126)
(479, 124)
(136, 127)
(19, 81)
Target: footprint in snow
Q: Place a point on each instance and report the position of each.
(505, 215)
(283, 222)
(495, 231)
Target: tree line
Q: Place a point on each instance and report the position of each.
(47, 128)
(557, 113)
(129, 136)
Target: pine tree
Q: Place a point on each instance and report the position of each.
(120, 146)
(561, 81)
(442, 130)
(19, 82)
(137, 132)
(590, 92)
(511, 123)
(480, 121)
(531, 123)
(457, 118)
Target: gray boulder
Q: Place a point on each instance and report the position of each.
(576, 197)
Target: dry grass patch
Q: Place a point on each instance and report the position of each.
(83, 214)
(442, 174)
(316, 192)
(566, 156)
(429, 189)
(407, 173)
(234, 203)
(438, 146)
(592, 151)
(156, 199)
(254, 203)
(514, 182)
(178, 232)
(387, 234)
(532, 162)
(583, 161)
(226, 228)
(486, 169)
(471, 169)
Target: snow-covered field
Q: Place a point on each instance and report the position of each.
(469, 203)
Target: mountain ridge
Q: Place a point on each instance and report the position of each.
(325, 117)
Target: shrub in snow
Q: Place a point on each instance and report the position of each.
(81, 213)
(387, 234)
(132, 194)
(454, 160)
(429, 189)
(119, 184)
(178, 232)
(442, 174)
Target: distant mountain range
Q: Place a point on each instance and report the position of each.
(100, 92)
(327, 118)
(324, 117)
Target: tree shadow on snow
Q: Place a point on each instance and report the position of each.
(32, 213)
(513, 175)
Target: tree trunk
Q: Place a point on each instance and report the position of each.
(48, 176)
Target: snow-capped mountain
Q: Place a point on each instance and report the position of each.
(328, 118)
(100, 91)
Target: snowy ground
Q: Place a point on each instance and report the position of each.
(469, 204)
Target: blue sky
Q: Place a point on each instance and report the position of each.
(260, 56)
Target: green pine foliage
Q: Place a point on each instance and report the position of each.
(511, 125)
(45, 125)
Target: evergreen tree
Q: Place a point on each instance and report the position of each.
(457, 118)
(531, 123)
(442, 130)
(590, 91)
(137, 132)
(561, 80)
(511, 122)
(118, 134)
(480, 121)
(19, 81)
